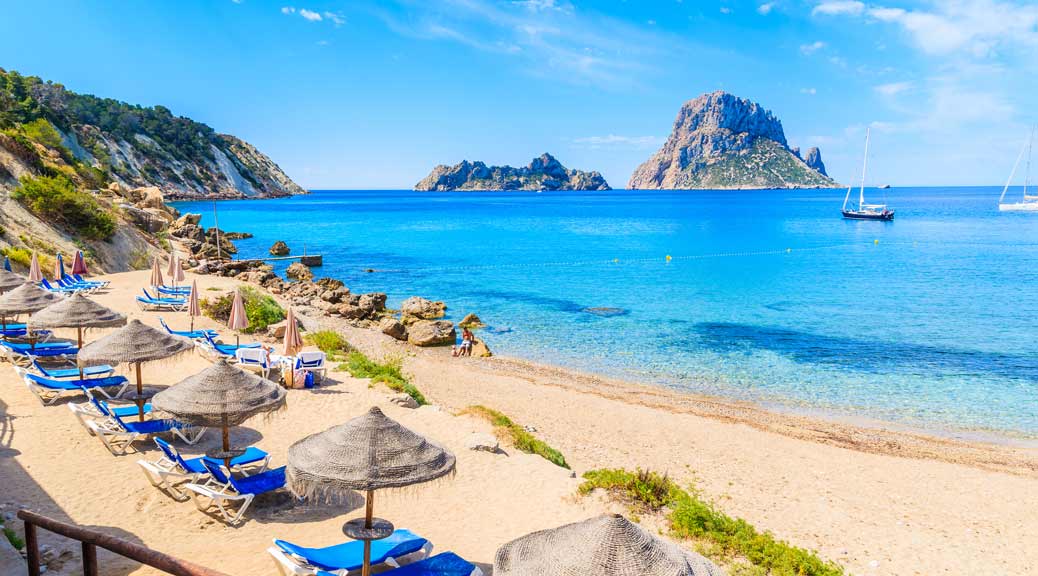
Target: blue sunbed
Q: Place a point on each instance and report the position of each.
(48, 390)
(192, 334)
(92, 371)
(350, 555)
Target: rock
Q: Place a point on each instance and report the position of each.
(394, 328)
(279, 249)
(330, 283)
(482, 441)
(605, 311)
(142, 219)
(432, 333)
(543, 173)
(278, 330)
(374, 301)
(299, 271)
(480, 349)
(721, 141)
(471, 321)
(188, 231)
(404, 400)
(418, 307)
(188, 219)
(11, 562)
(814, 160)
(149, 197)
(237, 235)
(161, 215)
(334, 296)
(362, 306)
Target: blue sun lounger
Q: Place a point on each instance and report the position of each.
(59, 289)
(177, 291)
(48, 390)
(19, 354)
(172, 468)
(222, 489)
(443, 564)
(118, 432)
(192, 334)
(342, 558)
(217, 349)
(91, 371)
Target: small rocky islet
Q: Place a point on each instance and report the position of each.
(543, 173)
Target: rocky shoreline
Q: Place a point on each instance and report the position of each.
(419, 321)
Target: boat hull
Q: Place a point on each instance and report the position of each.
(1019, 207)
(886, 215)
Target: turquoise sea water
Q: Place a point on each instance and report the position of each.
(930, 320)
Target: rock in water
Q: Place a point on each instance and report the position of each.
(299, 271)
(471, 321)
(280, 249)
(543, 173)
(721, 141)
(814, 160)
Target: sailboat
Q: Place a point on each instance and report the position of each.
(1029, 203)
(865, 211)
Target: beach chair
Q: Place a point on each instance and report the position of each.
(173, 291)
(75, 286)
(148, 302)
(19, 354)
(57, 289)
(60, 373)
(48, 390)
(443, 564)
(76, 279)
(89, 412)
(192, 334)
(256, 359)
(215, 349)
(223, 490)
(312, 361)
(118, 433)
(171, 468)
(338, 559)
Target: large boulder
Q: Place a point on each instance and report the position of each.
(299, 271)
(148, 197)
(393, 327)
(481, 350)
(280, 249)
(187, 219)
(188, 231)
(422, 309)
(432, 333)
(330, 283)
(471, 321)
(142, 219)
(362, 306)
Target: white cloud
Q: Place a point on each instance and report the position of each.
(337, 18)
(288, 10)
(726, 10)
(310, 15)
(765, 8)
(808, 49)
(839, 7)
(809, 91)
(615, 141)
(893, 88)
(838, 61)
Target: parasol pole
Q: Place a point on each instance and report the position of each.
(79, 341)
(140, 393)
(368, 513)
(226, 441)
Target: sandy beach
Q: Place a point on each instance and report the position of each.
(877, 501)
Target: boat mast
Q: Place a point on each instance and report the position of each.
(864, 167)
(1027, 172)
(1013, 173)
(847, 197)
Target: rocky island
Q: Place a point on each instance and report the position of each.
(543, 173)
(721, 141)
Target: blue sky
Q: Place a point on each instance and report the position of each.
(366, 94)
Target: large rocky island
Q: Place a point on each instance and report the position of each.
(543, 173)
(721, 141)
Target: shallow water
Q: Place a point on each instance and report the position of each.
(770, 296)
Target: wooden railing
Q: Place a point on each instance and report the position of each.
(91, 539)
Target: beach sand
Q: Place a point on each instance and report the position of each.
(876, 501)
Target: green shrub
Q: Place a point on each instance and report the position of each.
(389, 373)
(42, 131)
(20, 256)
(523, 440)
(12, 536)
(329, 341)
(721, 537)
(55, 198)
(260, 309)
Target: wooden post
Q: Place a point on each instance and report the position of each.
(226, 443)
(89, 559)
(368, 514)
(33, 548)
(140, 392)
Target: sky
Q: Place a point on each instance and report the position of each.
(373, 94)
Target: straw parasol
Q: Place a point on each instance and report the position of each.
(35, 274)
(25, 299)
(606, 545)
(9, 280)
(193, 308)
(238, 320)
(156, 274)
(134, 343)
(220, 396)
(370, 452)
(79, 263)
(79, 312)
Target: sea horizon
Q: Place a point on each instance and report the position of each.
(759, 301)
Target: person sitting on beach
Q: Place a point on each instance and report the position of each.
(466, 342)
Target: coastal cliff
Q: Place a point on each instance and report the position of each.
(721, 141)
(105, 140)
(543, 173)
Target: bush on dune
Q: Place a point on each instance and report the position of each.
(389, 373)
(260, 309)
(55, 198)
(521, 438)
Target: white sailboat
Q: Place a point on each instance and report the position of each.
(1029, 203)
(865, 211)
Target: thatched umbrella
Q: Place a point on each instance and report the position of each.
(79, 312)
(607, 545)
(9, 280)
(368, 453)
(25, 299)
(35, 274)
(238, 319)
(220, 396)
(134, 343)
